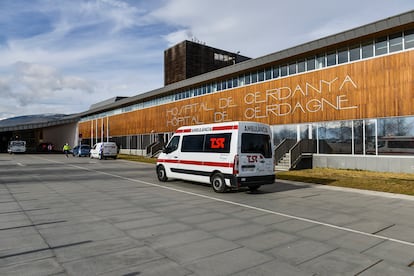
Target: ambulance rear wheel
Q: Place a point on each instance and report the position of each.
(218, 183)
(161, 174)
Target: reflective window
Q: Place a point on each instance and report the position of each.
(276, 72)
(241, 80)
(268, 73)
(342, 56)
(408, 39)
(301, 66)
(310, 64)
(367, 50)
(254, 77)
(331, 59)
(229, 83)
(192, 143)
(292, 68)
(261, 75)
(381, 46)
(335, 137)
(320, 61)
(281, 132)
(247, 79)
(396, 42)
(235, 82)
(283, 70)
(354, 53)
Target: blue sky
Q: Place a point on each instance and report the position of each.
(61, 56)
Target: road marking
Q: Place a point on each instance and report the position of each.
(241, 205)
(21, 165)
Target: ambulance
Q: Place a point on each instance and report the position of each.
(226, 155)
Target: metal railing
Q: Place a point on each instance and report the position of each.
(283, 148)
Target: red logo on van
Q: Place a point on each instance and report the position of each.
(217, 143)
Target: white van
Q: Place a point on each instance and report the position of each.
(226, 155)
(104, 150)
(16, 147)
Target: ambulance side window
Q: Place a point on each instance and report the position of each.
(172, 145)
(193, 143)
(218, 143)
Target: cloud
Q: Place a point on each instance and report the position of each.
(33, 83)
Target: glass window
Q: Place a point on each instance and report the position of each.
(409, 39)
(235, 82)
(283, 70)
(261, 75)
(254, 77)
(301, 66)
(224, 85)
(292, 68)
(256, 143)
(192, 143)
(172, 145)
(342, 56)
(241, 80)
(354, 53)
(331, 59)
(247, 79)
(217, 142)
(395, 42)
(219, 86)
(367, 50)
(320, 61)
(281, 132)
(268, 73)
(335, 137)
(381, 46)
(229, 83)
(276, 72)
(310, 64)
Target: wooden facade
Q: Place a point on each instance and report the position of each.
(370, 88)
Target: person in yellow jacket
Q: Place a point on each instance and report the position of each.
(66, 149)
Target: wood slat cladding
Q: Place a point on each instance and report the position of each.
(377, 87)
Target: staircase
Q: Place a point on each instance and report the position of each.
(284, 163)
(292, 154)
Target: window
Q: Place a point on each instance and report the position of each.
(283, 70)
(395, 42)
(217, 142)
(247, 79)
(331, 58)
(320, 61)
(354, 53)
(381, 46)
(241, 80)
(408, 39)
(254, 77)
(268, 73)
(342, 56)
(192, 143)
(256, 143)
(276, 72)
(367, 50)
(310, 64)
(292, 68)
(261, 75)
(172, 145)
(230, 84)
(235, 82)
(301, 66)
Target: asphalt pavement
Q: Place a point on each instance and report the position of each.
(81, 216)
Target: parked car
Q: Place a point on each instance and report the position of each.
(104, 150)
(16, 146)
(84, 150)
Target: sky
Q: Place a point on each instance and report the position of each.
(61, 56)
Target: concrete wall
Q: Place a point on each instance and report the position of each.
(59, 135)
(398, 164)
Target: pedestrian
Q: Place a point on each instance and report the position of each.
(66, 149)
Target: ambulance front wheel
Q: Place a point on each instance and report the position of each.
(218, 183)
(161, 173)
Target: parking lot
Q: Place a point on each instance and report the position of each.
(81, 216)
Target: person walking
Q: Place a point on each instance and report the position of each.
(66, 149)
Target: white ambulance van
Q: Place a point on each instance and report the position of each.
(226, 155)
(104, 150)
